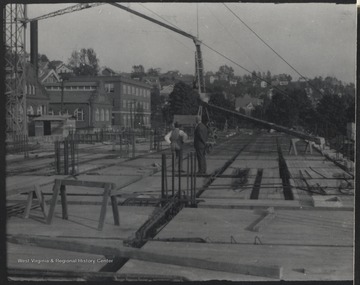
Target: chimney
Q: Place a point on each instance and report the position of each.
(34, 45)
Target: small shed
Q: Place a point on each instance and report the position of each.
(48, 125)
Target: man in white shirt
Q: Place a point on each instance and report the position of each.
(176, 139)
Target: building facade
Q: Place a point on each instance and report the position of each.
(103, 101)
(87, 101)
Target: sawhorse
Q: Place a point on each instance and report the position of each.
(293, 146)
(60, 188)
(32, 192)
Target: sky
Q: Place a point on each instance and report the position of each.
(317, 39)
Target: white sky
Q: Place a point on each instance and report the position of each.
(317, 39)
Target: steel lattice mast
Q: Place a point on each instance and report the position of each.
(15, 60)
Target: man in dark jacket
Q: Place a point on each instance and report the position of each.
(200, 138)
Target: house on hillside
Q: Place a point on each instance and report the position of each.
(108, 72)
(166, 90)
(247, 104)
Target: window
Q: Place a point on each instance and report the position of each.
(51, 112)
(79, 114)
(39, 110)
(33, 89)
(30, 110)
(124, 89)
(102, 115)
(107, 115)
(128, 89)
(109, 87)
(97, 115)
(25, 90)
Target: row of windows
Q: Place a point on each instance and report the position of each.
(102, 115)
(128, 104)
(73, 88)
(41, 109)
(78, 113)
(127, 120)
(29, 89)
(132, 90)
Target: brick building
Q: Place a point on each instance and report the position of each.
(87, 101)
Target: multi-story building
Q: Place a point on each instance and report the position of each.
(37, 99)
(87, 101)
(129, 100)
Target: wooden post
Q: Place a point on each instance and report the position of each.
(56, 190)
(103, 207)
(115, 210)
(65, 215)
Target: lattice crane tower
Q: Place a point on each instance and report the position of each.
(15, 60)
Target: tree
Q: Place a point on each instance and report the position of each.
(84, 62)
(153, 71)
(227, 71)
(183, 100)
(219, 118)
(43, 58)
(138, 71)
(157, 103)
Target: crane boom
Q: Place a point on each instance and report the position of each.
(199, 62)
(71, 9)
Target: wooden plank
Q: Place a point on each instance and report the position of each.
(269, 216)
(41, 199)
(56, 190)
(28, 205)
(271, 271)
(64, 206)
(83, 183)
(103, 207)
(115, 210)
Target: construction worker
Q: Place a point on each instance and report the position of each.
(176, 139)
(200, 139)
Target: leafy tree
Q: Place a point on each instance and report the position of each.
(138, 71)
(219, 118)
(183, 100)
(43, 58)
(157, 103)
(228, 71)
(84, 62)
(153, 72)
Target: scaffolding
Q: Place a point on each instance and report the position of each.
(15, 59)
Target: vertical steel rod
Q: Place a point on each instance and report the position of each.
(187, 175)
(179, 171)
(163, 169)
(173, 173)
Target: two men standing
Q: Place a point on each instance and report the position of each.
(177, 137)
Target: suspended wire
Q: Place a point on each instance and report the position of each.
(237, 64)
(224, 27)
(213, 64)
(293, 68)
(219, 53)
